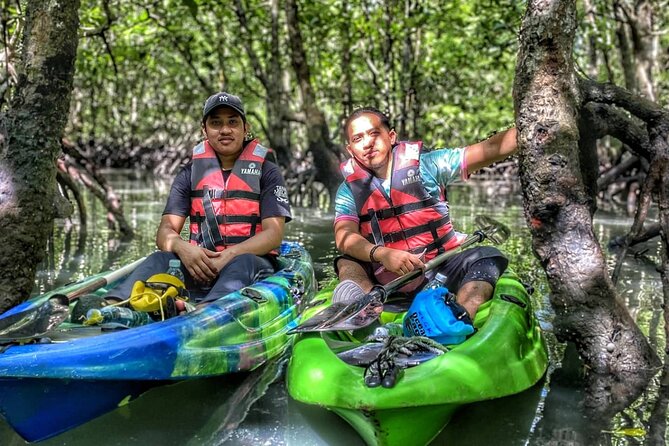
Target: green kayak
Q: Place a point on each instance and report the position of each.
(506, 355)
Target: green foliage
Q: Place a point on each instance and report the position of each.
(444, 70)
(144, 68)
(12, 17)
(471, 70)
(612, 31)
(192, 7)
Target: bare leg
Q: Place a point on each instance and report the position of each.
(473, 294)
(350, 270)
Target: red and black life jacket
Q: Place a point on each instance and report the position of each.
(408, 218)
(225, 213)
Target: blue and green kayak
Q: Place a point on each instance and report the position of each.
(506, 355)
(84, 372)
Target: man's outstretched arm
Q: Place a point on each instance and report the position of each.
(495, 148)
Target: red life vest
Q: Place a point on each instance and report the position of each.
(408, 218)
(225, 213)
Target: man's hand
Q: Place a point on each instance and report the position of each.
(349, 241)
(201, 263)
(398, 261)
(224, 258)
(198, 261)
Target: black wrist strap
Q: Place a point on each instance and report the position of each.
(371, 253)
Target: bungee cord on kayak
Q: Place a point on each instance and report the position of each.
(386, 370)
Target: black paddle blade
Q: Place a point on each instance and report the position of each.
(35, 322)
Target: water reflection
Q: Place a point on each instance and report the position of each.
(313, 227)
(249, 409)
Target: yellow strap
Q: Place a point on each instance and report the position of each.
(146, 298)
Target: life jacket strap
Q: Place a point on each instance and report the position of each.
(434, 226)
(211, 235)
(221, 194)
(394, 211)
(376, 236)
(226, 240)
(437, 244)
(397, 236)
(229, 219)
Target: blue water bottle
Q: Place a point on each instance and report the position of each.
(175, 270)
(439, 280)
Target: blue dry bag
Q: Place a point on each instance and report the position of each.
(430, 315)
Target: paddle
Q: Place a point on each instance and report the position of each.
(362, 312)
(36, 317)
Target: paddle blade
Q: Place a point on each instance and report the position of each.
(492, 229)
(36, 321)
(345, 316)
(314, 322)
(360, 318)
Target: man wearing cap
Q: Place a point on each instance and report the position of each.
(237, 204)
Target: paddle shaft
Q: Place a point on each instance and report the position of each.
(111, 277)
(400, 281)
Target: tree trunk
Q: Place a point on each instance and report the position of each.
(325, 158)
(624, 47)
(558, 208)
(30, 135)
(279, 129)
(411, 46)
(638, 41)
(271, 77)
(346, 59)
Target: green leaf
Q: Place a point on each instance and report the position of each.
(628, 432)
(192, 7)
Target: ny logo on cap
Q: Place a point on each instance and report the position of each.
(223, 98)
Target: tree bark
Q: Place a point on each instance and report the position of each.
(408, 78)
(271, 77)
(30, 135)
(321, 147)
(279, 130)
(624, 46)
(558, 209)
(346, 59)
(638, 44)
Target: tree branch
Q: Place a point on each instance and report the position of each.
(609, 120)
(245, 34)
(610, 94)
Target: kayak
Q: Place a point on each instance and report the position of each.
(505, 355)
(76, 373)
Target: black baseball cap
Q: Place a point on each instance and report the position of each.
(223, 99)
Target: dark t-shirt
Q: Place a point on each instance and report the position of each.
(273, 195)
